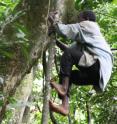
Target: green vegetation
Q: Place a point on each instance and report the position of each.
(15, 36)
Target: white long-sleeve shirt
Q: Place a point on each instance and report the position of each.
(88, 33)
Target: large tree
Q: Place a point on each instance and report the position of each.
(24, 32)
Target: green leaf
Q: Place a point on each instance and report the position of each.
(6, 54)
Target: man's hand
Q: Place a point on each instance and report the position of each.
(51, 30)
(51, 17)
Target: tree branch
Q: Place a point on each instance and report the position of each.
(113, 49)
(53, 118)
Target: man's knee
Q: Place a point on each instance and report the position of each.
(67, 51)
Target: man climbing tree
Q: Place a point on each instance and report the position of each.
(90, 53)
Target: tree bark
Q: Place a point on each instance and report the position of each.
(61, 7)
(45, 112)
(35, 20)
(22, 95)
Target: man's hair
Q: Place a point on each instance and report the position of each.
(88, 15)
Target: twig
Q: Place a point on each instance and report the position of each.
(69, 119)
(55, 61)
(53, 118)
(88, 113)
(113, 49)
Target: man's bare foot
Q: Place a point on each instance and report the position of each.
(59, 88)
(59, 108)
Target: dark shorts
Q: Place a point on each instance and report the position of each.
(82, 76)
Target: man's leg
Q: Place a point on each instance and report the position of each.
(77, 77)
(86, 75)
(70, 57)
(83, 76)
(61, 88)
(63, 108)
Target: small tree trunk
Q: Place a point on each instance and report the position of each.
(26, 115)
(45, 111)
(56, 5)
(62, 6)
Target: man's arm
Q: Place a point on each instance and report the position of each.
(61, 45)
(69, 31)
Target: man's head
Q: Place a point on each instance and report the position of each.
(87, 15)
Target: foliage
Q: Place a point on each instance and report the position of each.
(103, 105)
(12, 32)
(88, 4)
(107, 20)
(14, 36)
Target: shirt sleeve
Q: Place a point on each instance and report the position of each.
(70, 31)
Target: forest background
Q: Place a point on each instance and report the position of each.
(25, 69)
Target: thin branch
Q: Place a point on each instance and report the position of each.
(54, 121)
(88, 113)
(113, 49)
(38, 107)
(44, 63)
(55, 61)
(69, 119)
(47, 86)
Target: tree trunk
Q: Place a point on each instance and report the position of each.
(35, 20)
(62, 7)
(26, 115)
(45, 112)
(22, 95)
